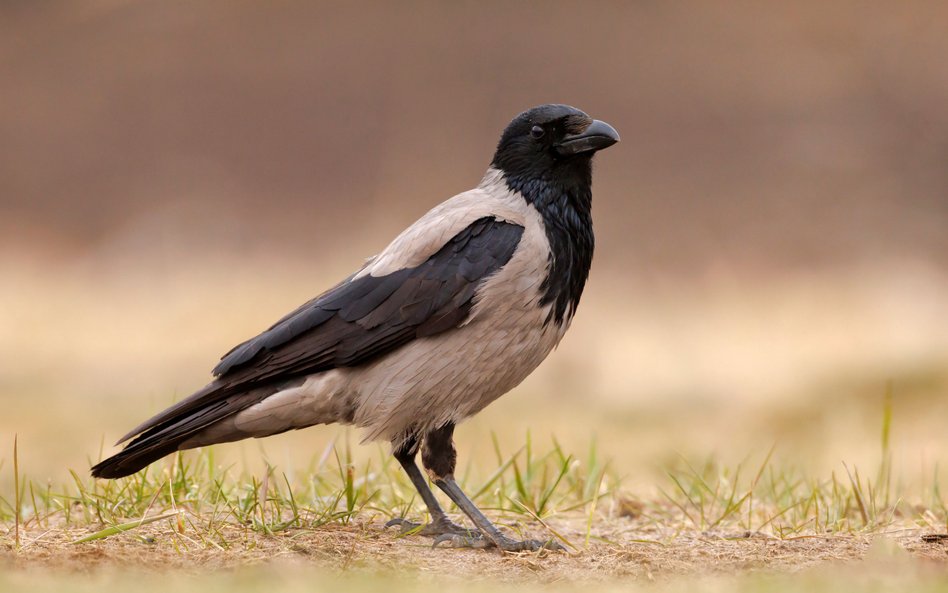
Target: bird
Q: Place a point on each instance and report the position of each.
(456, 311)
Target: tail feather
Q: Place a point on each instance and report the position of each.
(131, 459)
(167, 433)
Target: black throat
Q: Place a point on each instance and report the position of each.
(564, 200)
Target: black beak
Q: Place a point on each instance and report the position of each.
(597, 136)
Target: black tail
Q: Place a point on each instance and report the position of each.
(132, 459)
(179, 427)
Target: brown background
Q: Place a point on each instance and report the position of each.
(176, 175)
(755, 134)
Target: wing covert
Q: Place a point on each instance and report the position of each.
(367, 316)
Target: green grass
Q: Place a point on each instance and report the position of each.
(333, 489)
(530, 485)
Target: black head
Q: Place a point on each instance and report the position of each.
(545, 155)
(552, 143)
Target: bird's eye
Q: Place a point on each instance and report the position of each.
(537, 132)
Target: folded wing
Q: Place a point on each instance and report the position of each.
(355, 322)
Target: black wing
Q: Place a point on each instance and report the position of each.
(357, 321)
(363, 318)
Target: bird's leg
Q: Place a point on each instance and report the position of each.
(439, 458)
(440, 524)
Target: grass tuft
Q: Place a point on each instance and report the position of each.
(196, 496)
(541, 487)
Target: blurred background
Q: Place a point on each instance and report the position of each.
(772, 231)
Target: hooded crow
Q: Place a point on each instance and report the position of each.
(455, 312)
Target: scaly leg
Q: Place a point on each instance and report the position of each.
(440, 524)
(439, 457)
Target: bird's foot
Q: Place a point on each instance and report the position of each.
(437, 528)
(506, 544)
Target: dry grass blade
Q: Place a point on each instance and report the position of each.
(16, 488)
(857, 494)
(116, 529)
(537, 518)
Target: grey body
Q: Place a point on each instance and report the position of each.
(433, 380)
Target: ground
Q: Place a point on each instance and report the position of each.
(366, 551)
(371, 548)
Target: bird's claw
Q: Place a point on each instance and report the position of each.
(506, 544)
(436, 529)
(454, 540)
(404, 525)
